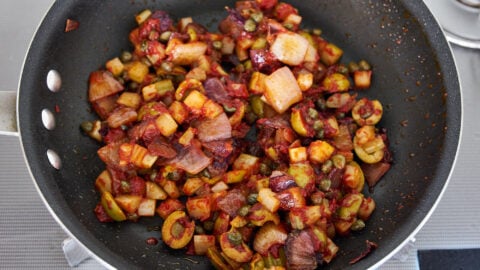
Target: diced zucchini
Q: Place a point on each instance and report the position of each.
(330, 54)
(157, 89)
(297, 154)
(143, 16)
(195, 100)
(267, 198)
(320, 151)
(186, 54)
(115, 66)
(166, 124)
(137, 71)
(130, 99)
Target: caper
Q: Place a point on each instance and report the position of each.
(325, 184)
(257, 106)
(339, 161)
(199, 229)
(240, 68)
(146, 62)
(257, 16)
(340, 115)
(217, 44)
(312, 113)
(235, 237)
(341, 68)
(352, 67)
(153, 175)
(321, 104)
(243, 211)
(364, 65)
(144, 46)
(86, 126)
(206, 173)
(165, 36)
(173, 176)
(288, 25)
(126, 56)
(327, 166)
(167, 66)
(208, 225)
(317, 125)
(250, 117)
(252, 198)
(250, 25)
(132, 85)
(357, 225)
(265, 169)
(125, 187)
(320, 134)
(317, 31)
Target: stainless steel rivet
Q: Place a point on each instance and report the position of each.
(48, 119)
(54, 159)
(54, 81)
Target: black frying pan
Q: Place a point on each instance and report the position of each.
(414, 77)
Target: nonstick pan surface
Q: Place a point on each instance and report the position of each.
(414, 77)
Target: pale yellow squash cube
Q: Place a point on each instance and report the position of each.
(115, 66)
(137, 71)
(187, 136)
(195, 100)
(298, 154)
(320, 151)
(166, 124)
(129, 99)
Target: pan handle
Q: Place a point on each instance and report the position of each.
(8, 113)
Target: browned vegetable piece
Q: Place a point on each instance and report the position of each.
(71, 25)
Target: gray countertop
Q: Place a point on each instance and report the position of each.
(30, 237)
